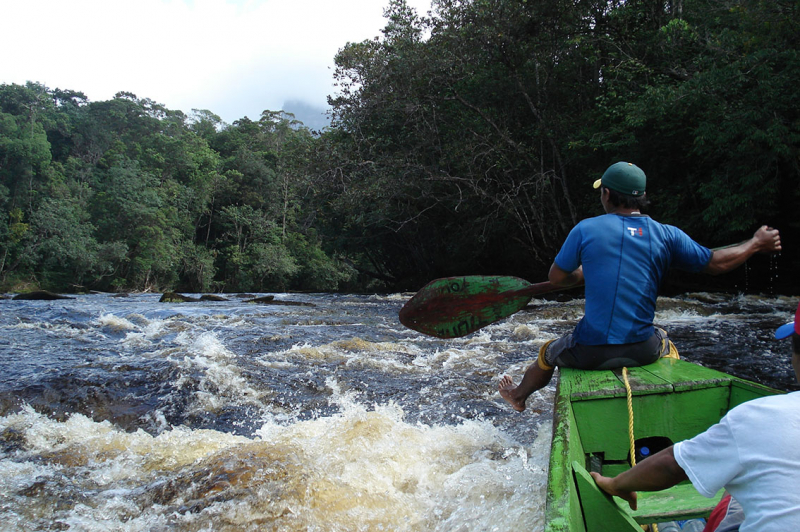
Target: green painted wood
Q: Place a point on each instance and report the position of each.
(582, 384)
(672, 398)
(612, 469)
(643, 380)
(743, 391)
(601, 512)
(452, 307)
(688, 376)
(562, 505)
(663, 376)
(603, 423)
(676, 503)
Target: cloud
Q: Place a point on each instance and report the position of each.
(234, 58)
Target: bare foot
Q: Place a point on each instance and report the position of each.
(506, 386)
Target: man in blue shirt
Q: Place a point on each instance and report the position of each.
(622, 257)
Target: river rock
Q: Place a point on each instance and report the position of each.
(172, 297)
(212, 297)
(40, 295)
(262, 299)
(270, 300)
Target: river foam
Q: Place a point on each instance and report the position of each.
(365, 468)
(129, 414)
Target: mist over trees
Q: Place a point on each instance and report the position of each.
(463, 142)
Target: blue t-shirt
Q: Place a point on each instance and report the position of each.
(624, 259)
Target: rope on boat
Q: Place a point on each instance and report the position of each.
(668, 350)
(630, 415)
(629, 394)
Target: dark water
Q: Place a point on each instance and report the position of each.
(130, 414)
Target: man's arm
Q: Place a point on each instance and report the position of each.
(656, 473)
(765, 240)
(559, 277)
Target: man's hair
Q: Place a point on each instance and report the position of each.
(618, 199)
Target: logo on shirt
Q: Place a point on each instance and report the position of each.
(634, 231)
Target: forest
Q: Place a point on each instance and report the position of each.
(462, 141)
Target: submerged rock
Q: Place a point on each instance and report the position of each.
(40, 295)
(172, 297)
(211, 297)
(262, 299)
(270, 300)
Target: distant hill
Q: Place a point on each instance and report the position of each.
(311, 116)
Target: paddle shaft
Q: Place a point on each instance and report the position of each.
(539, 289)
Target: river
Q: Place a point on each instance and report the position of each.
(127, 414)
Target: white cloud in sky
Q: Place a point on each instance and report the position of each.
(234, 58)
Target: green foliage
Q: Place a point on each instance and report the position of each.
(709, 113)
(16, 229)
(316, 270)
(63, 241)
(461, 143)
(254, 258)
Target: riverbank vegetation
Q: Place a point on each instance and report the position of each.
(463, 142)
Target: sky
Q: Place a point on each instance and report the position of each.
(235, 58)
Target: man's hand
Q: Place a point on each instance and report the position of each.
(657, 473)
(767, 240)
(607, 484)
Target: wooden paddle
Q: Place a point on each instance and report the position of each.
(457, 306)
(452, 307)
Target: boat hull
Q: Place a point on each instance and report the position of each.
(672, 400)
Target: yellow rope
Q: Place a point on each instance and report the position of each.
(629, 394)
(630, 415)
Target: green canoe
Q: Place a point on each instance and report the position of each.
(672, 400)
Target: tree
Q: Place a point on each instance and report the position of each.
(453, 145)
(63, 241)
(24, 148)
(702, 95)
(254, 257)
(129, 208)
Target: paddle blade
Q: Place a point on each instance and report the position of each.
(457, 306)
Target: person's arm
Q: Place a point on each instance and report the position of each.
(559, 277)
(656, 473)
(765, 240)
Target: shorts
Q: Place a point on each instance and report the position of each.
(566, 352)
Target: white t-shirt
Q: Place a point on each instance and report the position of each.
(753, 452)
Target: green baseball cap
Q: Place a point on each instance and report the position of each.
(625, 178)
